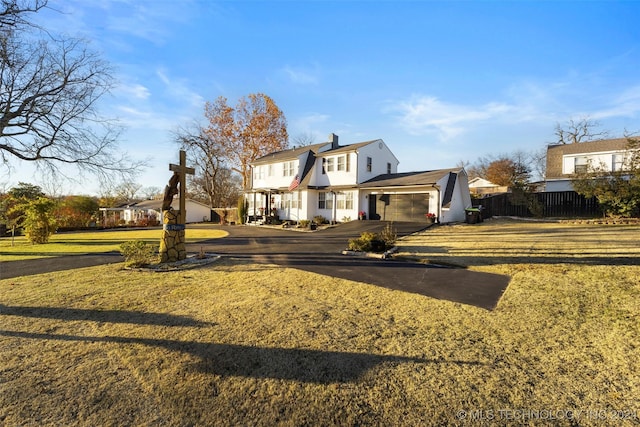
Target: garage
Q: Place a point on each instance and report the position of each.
(399, 207)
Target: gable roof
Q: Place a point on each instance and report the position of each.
(288, 154)
(347, 148)
(591, 146)
(317, 149)
(405, 179)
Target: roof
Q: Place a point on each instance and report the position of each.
(288, 154)
(295, 152)
(405, 179)
(591, 146)
(348, 148)
(481, 182)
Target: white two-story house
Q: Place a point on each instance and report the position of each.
(340, 183)
(564, 160)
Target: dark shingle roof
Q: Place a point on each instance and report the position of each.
(294, 153)
(347, 148)
(289, 154)
(408, 178)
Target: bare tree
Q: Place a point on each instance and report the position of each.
(151, 193)
(12, 12)
(303, 139)
(539, 163)
(49, 88)
(577, 131)
(206, 151)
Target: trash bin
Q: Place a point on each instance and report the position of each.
(473, 216)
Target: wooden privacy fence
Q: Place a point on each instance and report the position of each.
(543, 205)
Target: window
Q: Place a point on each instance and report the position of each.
(292, 200)
(342, 163)
(330, 164)
(618, 162)
(344, 200)
(349, 202)
(388, 168)
(580, 164)
(258, 173)
(324, 166)
(325, 200)
(369, 164)
(270, 173)
(287, 169)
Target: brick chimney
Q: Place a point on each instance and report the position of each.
(333, 139)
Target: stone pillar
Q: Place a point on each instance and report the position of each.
(172, 245)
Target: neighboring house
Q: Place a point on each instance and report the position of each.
(150, 211)
(339, 182)
(564, 160)
(480, 186)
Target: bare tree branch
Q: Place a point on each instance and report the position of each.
(49, 89)
(577, 131)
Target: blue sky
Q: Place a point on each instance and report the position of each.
(440, 82)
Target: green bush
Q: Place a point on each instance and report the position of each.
(39, 221)
(372, 242)
(138, 253)
(243, 207)
(363, 243)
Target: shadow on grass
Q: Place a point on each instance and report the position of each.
(110, 316)
(309, 366)
(474, 288)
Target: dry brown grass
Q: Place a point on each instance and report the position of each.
(241, 343)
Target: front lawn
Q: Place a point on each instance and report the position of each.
(86, 242)
(239, 343)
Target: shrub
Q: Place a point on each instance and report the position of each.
(319, 219)
(138, 253)
(243, 207)
(389, 236)
(303, 223)
(39, 222)
(364, 243)
(372, 242)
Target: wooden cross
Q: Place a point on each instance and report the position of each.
(182, 170)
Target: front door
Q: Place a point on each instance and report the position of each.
(373, 214)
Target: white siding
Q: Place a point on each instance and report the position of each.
(606, 160)
(380, 156)
(326, 173)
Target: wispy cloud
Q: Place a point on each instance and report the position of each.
(421, 115)
(153, 21)
(136, 91)
(301, 75)
(625, 104)
(179, 90)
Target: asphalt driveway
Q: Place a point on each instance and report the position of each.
(318, 252)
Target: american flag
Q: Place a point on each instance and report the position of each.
(294, 184)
